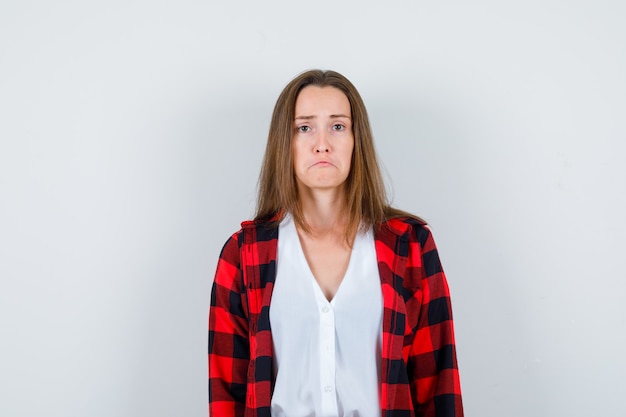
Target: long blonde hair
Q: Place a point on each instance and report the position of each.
(366, 199)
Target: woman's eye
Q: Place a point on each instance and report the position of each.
(338, 127)
(304, 129)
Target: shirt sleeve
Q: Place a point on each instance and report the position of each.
(432, 364)
(229, 352)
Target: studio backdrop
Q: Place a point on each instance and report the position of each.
(131, 137)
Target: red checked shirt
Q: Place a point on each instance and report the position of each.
(419, 368)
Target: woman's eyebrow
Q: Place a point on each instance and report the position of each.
(332, 116)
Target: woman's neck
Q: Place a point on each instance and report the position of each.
(324, 211)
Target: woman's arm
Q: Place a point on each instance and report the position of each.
(432, 364)
(229, 352)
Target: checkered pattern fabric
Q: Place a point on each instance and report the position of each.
(419, 368)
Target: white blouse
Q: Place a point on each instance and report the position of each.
(327, 354)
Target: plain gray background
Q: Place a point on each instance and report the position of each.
(131, 135)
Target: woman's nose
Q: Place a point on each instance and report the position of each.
(322, 144)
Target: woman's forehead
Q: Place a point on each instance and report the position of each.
(316, 101)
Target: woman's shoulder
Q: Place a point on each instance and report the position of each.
(404, 223)
(255, 230)
(402, 220)
(252, 232)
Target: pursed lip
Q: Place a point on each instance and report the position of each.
(322, 163)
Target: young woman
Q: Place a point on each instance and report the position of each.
(330, 302)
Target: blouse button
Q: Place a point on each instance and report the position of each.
(328, 388)
(325, 309)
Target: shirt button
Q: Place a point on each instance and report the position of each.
(325, 309)
(328, 388)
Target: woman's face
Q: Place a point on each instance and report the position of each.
(323, 140)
